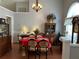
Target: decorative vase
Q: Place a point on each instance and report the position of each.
(50, 18)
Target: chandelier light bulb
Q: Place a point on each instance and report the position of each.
(37, 6)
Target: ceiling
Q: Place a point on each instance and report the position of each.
(19, 0)
(11, 4)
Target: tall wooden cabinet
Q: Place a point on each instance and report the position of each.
(5, 38)
(50, 27)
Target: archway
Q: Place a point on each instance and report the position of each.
(73, 10)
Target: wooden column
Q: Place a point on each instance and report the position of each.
(72, 33)
(78, 32)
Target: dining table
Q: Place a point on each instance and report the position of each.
(24, 41)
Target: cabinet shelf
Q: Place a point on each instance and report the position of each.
(50, 27)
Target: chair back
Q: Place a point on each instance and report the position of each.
(43, 44)
(32, 43)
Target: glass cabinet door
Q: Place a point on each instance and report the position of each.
(4, 29)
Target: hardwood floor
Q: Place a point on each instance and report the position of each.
(15, 53)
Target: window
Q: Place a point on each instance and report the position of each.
(73, 11)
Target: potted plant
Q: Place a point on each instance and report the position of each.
(50, 18)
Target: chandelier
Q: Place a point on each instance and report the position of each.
(36, 6)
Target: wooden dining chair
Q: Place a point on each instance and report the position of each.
(52, 39)
(20, 39)
(43, 47)
(32, 47)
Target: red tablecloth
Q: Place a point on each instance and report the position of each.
(24, 41)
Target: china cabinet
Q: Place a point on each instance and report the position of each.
(5, 37)
(49, 27)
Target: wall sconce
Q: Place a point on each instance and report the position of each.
(36, 6)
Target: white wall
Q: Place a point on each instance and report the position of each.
(74, 51)
(51, 6)
(69, 50)
(22, 6)
(65, 49)
(5, 12)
